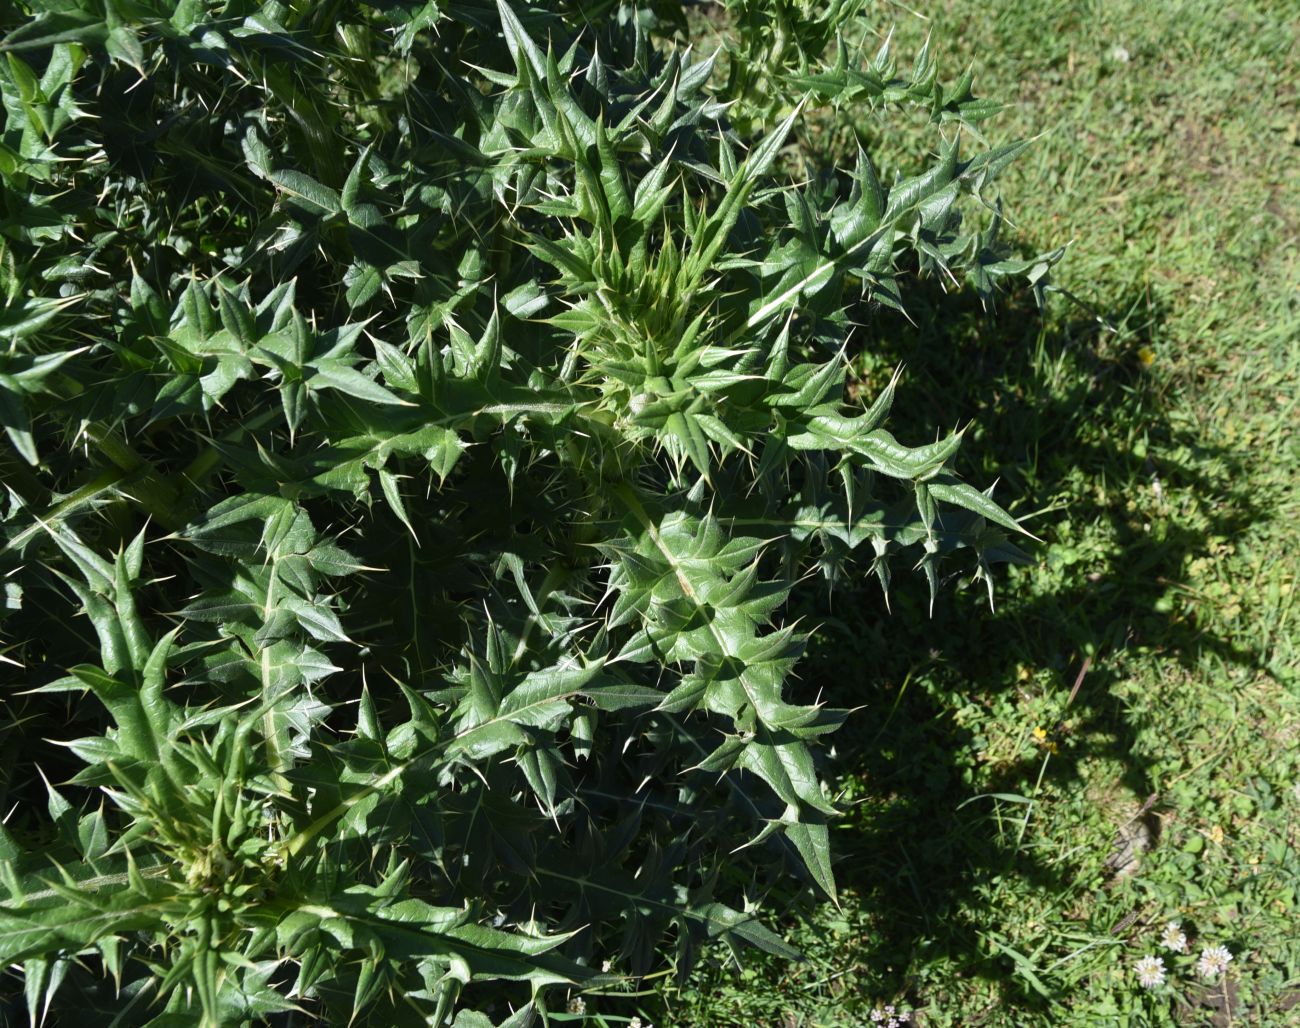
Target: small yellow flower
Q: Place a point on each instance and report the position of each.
(1041, 738)
(1216, 834)
(1147, 356)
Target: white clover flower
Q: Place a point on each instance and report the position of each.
(577, 1005)
(634, 1023)
(889, 1016)
(1150, 972)
(605, 966)
(1173, 938)
(1214, 961)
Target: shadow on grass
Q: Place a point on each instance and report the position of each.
(1066, 413)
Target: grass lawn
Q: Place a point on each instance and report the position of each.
(1008, 855)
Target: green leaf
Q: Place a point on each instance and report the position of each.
(348, 200)
(961, 494)
(14, 417)
(388, 482)
(540, 688)
(623, 695)
(363, 282)
(812, 841)
(332, 374)
(123, 44)
(724, 922)
(315, 617)
(54, 27)
(309, 193)
(522, 47)
(236, 317)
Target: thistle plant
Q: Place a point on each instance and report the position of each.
(781, 50)
(417, 418)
